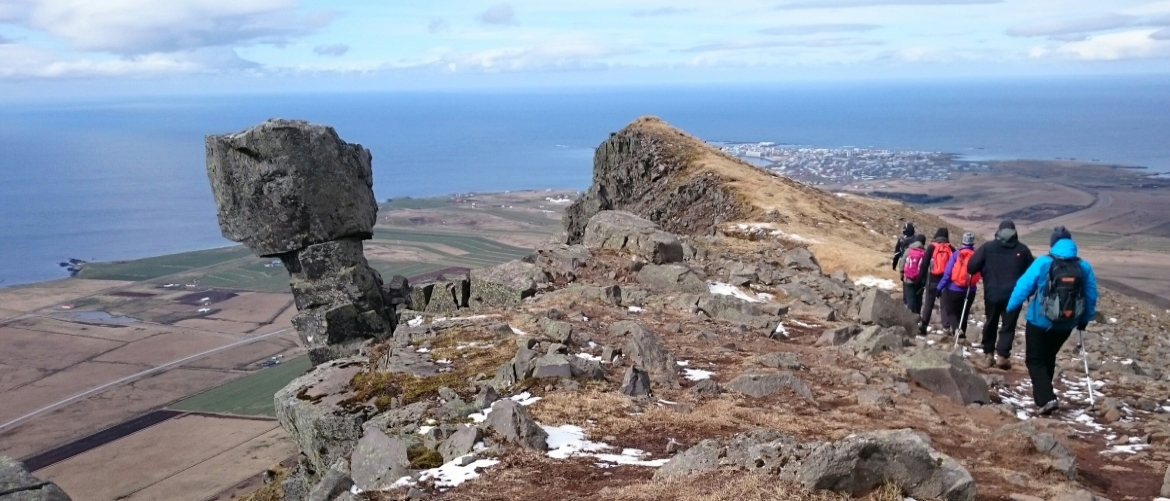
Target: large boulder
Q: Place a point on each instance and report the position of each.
(762, 451)
(672, 277)
(461, 443)
(947, 374)
(739, 311)
(875, 340)
(801, 259)
(863, 462)
(645, 350)
(511, 421)
(287, 184)
(379, 460)
(560, 262)
(18, 484)
(311, 409)
(878, 308)
(625, 232)
(507, 284)
(763, 385)
(636, 382)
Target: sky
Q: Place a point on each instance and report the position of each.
(126, 46)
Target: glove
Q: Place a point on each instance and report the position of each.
(1081, 326)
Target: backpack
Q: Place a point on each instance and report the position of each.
(1064, 299)
(939, 257)
(910, 270)
(959, 273)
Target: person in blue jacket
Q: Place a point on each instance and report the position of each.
(957, 299)
(1043, 336)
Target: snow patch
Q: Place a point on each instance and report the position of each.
(518, 332)
(415, 322)
(569, 441)
(558, 200)
(872, 281)
(697, 374)
(731, 290)
(636, 309)
(450, 474)
(591, 358)
(781, 330)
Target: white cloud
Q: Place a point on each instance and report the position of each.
(661, 11)
(827, 4)
(334, 50)
(554, 56)
(500, 14)
(1065, 27)
(1162, 34)
(139, 27)
(1134, 44)
(18, 61)
(812, 29)
(438, 25)
(773, 43)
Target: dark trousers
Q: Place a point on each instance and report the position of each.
(1040, 357)
(957, 308)
(932, 294)
(912, 296)
(997, 311)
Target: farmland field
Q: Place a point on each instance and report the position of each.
(248, 396)
(154, 267)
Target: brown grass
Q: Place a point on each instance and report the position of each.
(273, 491)
(719, 486)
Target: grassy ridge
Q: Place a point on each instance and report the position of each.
(250, 395)
(155, 267)
(480, 252)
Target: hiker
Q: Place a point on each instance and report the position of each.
(938, 253)
(1001, 262)
(958, 288)
(1063, 294)
(910, 268)
(903, 243)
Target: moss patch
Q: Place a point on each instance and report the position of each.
(423, 458)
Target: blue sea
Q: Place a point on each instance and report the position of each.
(123, 179)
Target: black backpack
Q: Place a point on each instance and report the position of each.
(1064, 295)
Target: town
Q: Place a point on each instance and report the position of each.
(849, 165)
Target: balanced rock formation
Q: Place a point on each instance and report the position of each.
(18, 484)
(295, 190)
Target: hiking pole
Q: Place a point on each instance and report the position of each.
(963, 317)
(1085, 357)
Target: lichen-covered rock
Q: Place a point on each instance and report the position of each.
(672, 277)
(18, 484)
(636, 383)
(561, 263)
(1060, 458)
(838, 336)
(947, 374)
(287, 184)
(552, 366)
(801, 259)
(645, 350)
(512, 422)
(879, 308)
(625, 232)
(763, 385)
(762, 451)
(379, 460)
(507, 284)
(310, 410)
(461, 443)
(863, 462)
(875, 340)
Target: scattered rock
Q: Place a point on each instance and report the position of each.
(763, 385)
(507, 284)
(838, 336)
(636, 383)
(333, 483)
(706, 388)
(512, 422)
(1024, 497)
(18, 484)
(310, 410)
(946, 374)
(586, 369)
(874, 399)
(379, 460)
(626, 232)
(1078, 495)
(1061, 458)
(646, 351)
(552, 366)
(779, 360)
(875, 340)
(801, 259)
(1166, 483)
(461, 443)
(879, 308)
(561, 263)
(672, 277)
(862, 462)
(561, 332)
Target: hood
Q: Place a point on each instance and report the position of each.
(942, 240)
(915, 245)
(1064, 248)
(1006, 224)
(1007, 236)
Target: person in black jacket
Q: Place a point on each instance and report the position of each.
(903, 244)
(1002, 262)
(942, 239)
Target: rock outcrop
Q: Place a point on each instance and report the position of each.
(947, 374)
(295, 190)
(18, 484)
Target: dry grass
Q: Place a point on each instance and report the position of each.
(718, 486)
(271, 491)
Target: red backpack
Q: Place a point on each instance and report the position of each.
(959, 273)
(940, 257)
(912, 268)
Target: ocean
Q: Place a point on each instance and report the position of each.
(121, 179)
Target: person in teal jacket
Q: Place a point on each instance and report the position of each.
(1044, 337)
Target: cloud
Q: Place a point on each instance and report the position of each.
(1133, 44)
(661, 11)
(438, 25)
(768, 44)
(829, 4)
(812, 29)
(5, 40)
(557, 56)
(1066, 27)
(334, 50)
(22, 62)
(139, 27)
(1162, 34)
(499, 14)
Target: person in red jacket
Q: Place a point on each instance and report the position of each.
(934, 264)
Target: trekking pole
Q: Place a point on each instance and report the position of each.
(963, 317)
(1088, 378)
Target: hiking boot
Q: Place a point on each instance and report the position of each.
(1004, 363)
(990, 361)
(1049, 407)
(921, 329)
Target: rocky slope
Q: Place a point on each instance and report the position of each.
(667, 352)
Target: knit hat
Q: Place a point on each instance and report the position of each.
(920, 239)
(968, 238)
(908, 229)
(943, 233)
(1059, 233)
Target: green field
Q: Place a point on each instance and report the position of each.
(481, 252)
(415, 203)
(407, 269)
(250, 395)
(155, 267)
(252, 276)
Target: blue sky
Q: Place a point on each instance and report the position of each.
(126, 45)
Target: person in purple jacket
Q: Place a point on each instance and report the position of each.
(958, 288)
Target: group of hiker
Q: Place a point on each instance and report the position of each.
(1061, 288)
